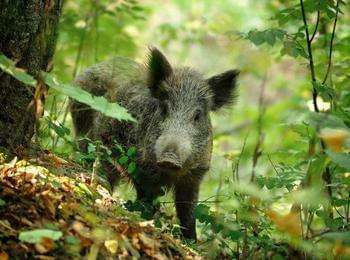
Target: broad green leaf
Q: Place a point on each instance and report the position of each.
(341, 159)
(2, 202)
(123, 160)
(324, 91)
(270, 37)
(132, 152)
(132, 168)
(315, 170)
(59, 129)
(91, 148)
(100, 104)
(338, 236)
(72, 240)
(201, 212)
(8, 66)
(234, 235)
(35, 236)
(321, 120)
(256, 37)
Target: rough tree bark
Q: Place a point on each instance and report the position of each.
(28, 33)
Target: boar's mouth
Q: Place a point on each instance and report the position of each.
(170, 162)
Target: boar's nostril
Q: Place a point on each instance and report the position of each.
(169, 165)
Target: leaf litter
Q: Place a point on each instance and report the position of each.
(47, 215)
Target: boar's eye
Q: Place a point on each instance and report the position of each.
(197, 115)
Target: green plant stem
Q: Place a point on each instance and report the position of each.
(309, 222)
(257, 150)
(316, 26)
(348, 210)
(75, 69)
(311, 60)
(331, 44)
(327, 174)
(235, 167)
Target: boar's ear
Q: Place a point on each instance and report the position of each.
(224, 88)
(159, 69)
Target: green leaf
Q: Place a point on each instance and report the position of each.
(270, 37)
(321, 120)
(59, 129)
(234, 235)
(256, 37)
(8, 66)
(132, 168)
(72, 240)
(315, 170)
(338, 236)
(123, 160)
(251, 190)
(35, 236)
(2, 202)
(339, 202)
(132, 152)
(341, 159)
(270, 182)
(113, 110)
(311, 196)
(290, 48)
(201, 212)
(324, 91)
(91, 148)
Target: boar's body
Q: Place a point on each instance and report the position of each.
(173, 133)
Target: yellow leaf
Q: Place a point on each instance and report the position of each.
(288, 223)
(4, 255)
(112, 246)
(341, 250)
(334, 138)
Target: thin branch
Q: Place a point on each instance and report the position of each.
(207, 200)
(331, 44)
(341, 215)
(235, 168)
(273, 165)
(309, 222)
(301, 222)
(311, 60)
(316, 26)
(348, 210)
(257, 150)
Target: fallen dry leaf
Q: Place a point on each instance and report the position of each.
(46, 245)
(54, 159)
(112, 246)
(4, 255)
(148, 242)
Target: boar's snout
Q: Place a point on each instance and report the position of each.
(171, 154)
(169, 161)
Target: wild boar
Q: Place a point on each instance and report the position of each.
(173, 133)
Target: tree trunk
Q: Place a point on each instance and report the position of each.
(28, 33)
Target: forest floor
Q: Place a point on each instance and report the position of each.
(51, 209)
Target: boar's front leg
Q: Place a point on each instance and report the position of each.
(186, 196)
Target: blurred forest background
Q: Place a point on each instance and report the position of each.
(280, 178)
